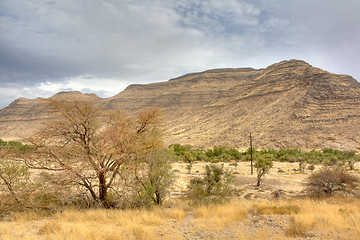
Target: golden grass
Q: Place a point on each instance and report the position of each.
(302, 217)
(336, 215)
(278, 207)
(216, 217)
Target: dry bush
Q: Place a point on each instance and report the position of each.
(296, 228)
(328, 180)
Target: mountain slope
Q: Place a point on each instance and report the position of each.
(289, 103)
(23, 116)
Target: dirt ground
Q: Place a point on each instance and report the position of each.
(239, 219)
(284, 179)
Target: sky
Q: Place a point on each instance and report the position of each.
(102, 46)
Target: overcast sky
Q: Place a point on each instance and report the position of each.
(102, 46)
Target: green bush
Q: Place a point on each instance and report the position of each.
(214, 187)
(155, 180)
(14, 145)
(263, 164)
(214, 155)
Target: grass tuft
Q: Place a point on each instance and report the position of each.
(49, 227)
(296, 228)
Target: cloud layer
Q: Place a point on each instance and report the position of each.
(102, 46)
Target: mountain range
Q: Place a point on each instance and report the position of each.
(287, 104)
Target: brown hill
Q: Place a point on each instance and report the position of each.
(23, 116)
(289, 103)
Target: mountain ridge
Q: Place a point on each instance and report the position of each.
(287, 104)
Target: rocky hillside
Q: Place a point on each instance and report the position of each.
(289, 103)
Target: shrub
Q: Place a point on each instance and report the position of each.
(296, 228)
(214, 155)
(155, 180)
(311, 167)
(213, 188)
(263, 164)
(14, 180)
(329, 180)
(302, 166)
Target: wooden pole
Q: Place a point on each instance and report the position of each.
(251, 155)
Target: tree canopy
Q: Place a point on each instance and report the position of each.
(92, 147)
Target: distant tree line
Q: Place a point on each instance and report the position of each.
(327, 156)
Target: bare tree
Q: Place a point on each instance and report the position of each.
(91, 146)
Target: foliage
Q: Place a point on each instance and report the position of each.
(216, 154)
(223, 153)
(14, 145)
(214, 187)
(328, 180)
(154, 178)
(90, 147)
(311, 167)
(263, 164)
(15, 179)
(327, 156)
(20, 191)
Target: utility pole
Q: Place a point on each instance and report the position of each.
(251, 155)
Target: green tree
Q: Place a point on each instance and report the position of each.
(154, 176)
(263, 165)
(350, 158)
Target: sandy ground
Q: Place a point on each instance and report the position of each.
(283, 178)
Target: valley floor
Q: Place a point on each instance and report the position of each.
(253, 214)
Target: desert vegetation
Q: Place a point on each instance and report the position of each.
(88, 166)
(238, 219)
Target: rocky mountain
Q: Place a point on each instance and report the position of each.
(288, 104)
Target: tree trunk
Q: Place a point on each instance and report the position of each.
(103, 194)
(259, 175)
(158, 198)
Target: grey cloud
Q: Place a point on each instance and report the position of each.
(139, 41)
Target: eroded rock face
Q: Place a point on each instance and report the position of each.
(288, 104)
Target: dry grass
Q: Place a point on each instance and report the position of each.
(216, 217)
(279, 207)
(303, 218)
(335, 215)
